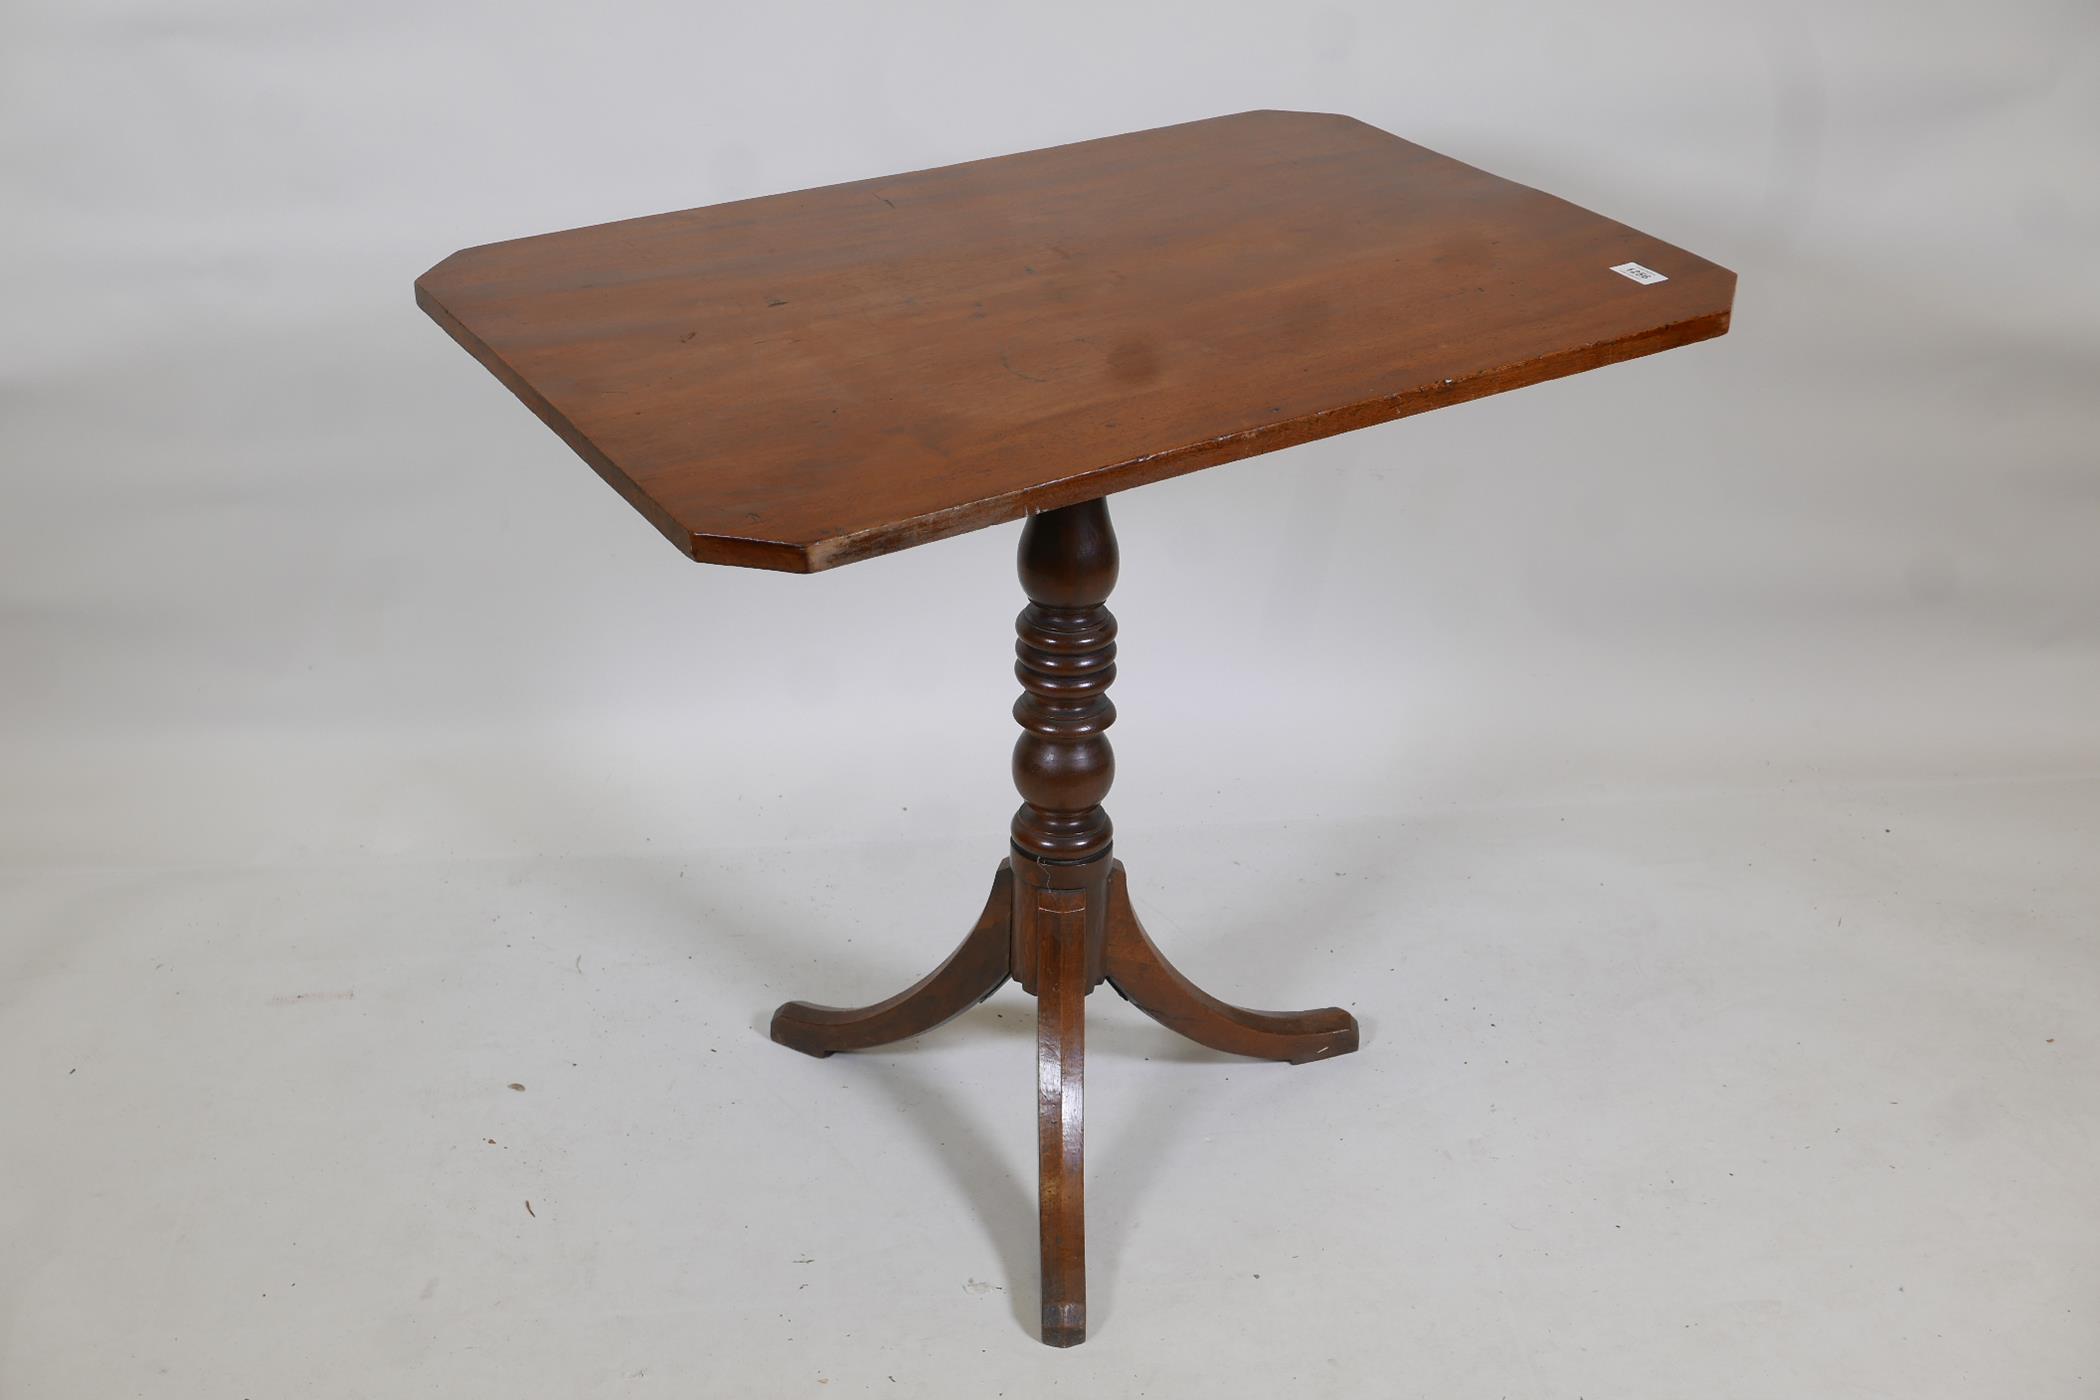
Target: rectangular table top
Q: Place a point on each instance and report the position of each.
(807, 379)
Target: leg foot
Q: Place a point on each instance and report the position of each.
(1149, 982)
(972, 972)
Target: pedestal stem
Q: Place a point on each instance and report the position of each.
(1065, 658)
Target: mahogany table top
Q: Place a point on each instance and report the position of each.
(803, 380)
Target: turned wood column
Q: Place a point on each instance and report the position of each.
(1066, 652)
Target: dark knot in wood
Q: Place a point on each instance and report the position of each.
(1065, 652)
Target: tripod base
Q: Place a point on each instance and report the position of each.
(1058, 929)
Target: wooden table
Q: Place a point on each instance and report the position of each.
(805, 380)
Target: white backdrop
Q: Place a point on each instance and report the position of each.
(306, 627)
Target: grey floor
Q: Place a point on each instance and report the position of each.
(1771, 1091)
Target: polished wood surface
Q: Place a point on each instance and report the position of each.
(1138, 970)
(1059, 928)
(978, 967)
(807, 379)
(1063, 766)
(1059, 920)
(1065, 659)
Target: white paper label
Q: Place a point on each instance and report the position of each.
(1646, 276)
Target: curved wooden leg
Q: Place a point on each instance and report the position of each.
(972, 972)
(1060, 1061)
(1149, 982)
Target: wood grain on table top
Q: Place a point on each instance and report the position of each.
(802, 380)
